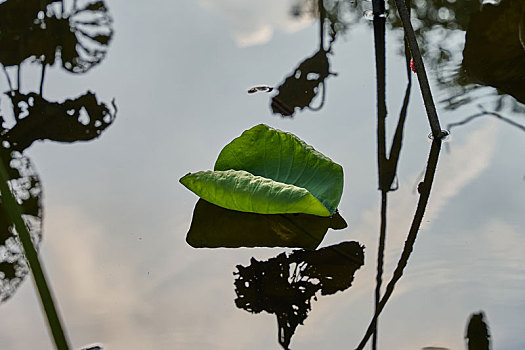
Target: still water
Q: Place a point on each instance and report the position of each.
(115, 216)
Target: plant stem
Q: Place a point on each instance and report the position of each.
(14, 213)
(382, 162)
(420, 69)
(424, 190)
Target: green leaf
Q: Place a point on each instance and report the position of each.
(286, 159)
(239, 190)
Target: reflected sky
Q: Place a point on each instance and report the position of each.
(116, 217)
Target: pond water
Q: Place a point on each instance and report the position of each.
(115, 216)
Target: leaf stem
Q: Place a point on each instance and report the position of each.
(430, 107)
(14, 213)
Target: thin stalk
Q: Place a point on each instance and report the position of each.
(42, 76)
(380, 261)
(380, 62)
(15, 215)
(420, 69)
(18, 77)
(424, 190)
(8, 78)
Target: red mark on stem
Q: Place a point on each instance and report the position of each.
(412, 65)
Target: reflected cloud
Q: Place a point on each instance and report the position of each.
(255, 23)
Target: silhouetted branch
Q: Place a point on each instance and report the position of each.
(18, 76)
(424, 190)
(482, 114)
(382, 161)
(420, 68)
(42, 76)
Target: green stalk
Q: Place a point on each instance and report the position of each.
(15, 215)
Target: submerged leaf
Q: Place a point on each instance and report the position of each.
(239, 190)
(213, 227)
(284, 158)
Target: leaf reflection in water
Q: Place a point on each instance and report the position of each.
(213, 226)
(285, 285)
(40, 30)
(477, 335)
(494, 53)
(79, 119)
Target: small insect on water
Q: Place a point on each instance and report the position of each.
(260, 88)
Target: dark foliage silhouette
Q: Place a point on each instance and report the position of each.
(39, 30)
(79, 119)
(286, 284)
(477, 334)
(494, 53)
(25, 185)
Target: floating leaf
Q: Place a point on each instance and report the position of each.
(242, 191)
(213, 227)
(284, 158)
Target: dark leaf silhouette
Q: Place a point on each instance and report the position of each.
(25, 186)
(478, 336)
(213, 226)
(20, 31)
(270, 286)
(80, 119)
(300, 87)
(31, 29)
(494, 51)
(331, 265)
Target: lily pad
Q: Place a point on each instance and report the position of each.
(284, 158)
(242, 191)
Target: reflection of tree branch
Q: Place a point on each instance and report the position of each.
(424, 190)
(42, 76)
(380, 61)
(484, 113)
(18, 76)
(387, 167)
